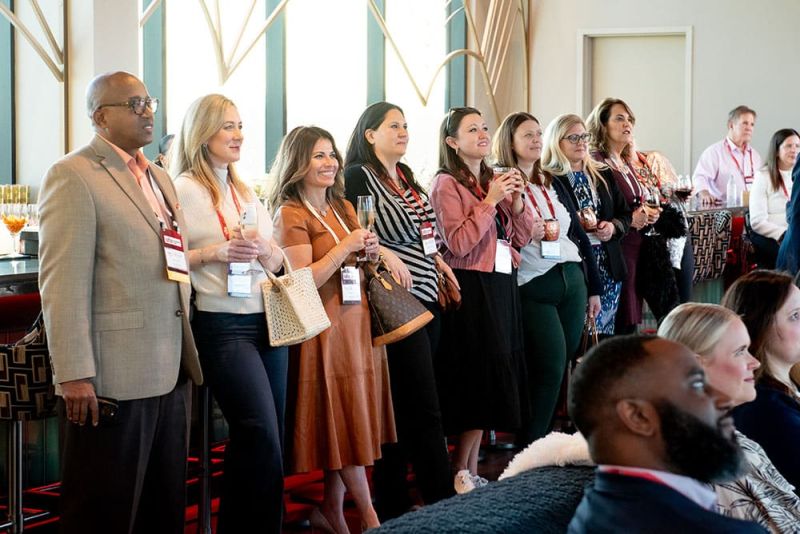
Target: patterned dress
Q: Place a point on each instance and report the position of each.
(609, 300)
(762, 495)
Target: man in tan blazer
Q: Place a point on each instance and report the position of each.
(118, 324)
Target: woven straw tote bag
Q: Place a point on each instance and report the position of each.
(291, 302)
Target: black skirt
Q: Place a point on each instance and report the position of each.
(480, 365)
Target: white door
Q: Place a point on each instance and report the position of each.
(649, 73)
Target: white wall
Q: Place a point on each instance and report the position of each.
(103, 36)
(744, 53)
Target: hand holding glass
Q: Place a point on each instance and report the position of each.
(365, 209)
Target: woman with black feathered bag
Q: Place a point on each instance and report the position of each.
(656, 281)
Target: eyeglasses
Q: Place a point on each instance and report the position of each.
(136, 105)
(578, 138)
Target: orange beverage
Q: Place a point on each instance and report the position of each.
(14, 223)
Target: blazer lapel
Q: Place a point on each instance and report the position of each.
(116, 168)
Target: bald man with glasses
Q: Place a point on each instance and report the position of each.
(115, 294)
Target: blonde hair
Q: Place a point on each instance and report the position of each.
(597, 124)
(699, 326)
(555, 162)
(189, 152)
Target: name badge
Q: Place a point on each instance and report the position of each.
(551, 250)
(351, 284)
(428, 239)
(502, 257)
(177, 267)
(239, 280)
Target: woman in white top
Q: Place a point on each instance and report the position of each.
(770, 193)
(245, 374)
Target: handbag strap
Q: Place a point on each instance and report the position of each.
(287, 266)
(316, 214)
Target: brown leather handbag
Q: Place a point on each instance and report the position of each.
(449, 294)
(395, 312)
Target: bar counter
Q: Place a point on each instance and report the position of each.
(18, 276)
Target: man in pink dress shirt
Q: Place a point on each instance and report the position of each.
(731, 157)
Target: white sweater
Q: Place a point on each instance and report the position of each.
(768, 206)
(210, 281)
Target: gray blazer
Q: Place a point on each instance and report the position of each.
(111, 313)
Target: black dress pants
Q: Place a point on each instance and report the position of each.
(128, 476)
(419, 426)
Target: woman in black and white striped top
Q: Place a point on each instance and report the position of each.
(404, 222)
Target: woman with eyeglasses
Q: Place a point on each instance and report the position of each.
(611, 125)
(404, 222)
(244, 373)
(552, 284)
(481, 221)
(602, 209)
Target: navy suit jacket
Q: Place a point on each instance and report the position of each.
(619, 503)
(789, 253)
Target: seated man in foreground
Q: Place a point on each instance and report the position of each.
(658, 437)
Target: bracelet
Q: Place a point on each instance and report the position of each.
(332, 260)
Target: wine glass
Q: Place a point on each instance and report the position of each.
(365, 209)
(248, 224)
(683, 187)
(15, 217)
(652, 201)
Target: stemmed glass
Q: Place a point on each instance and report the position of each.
(15, 217)
(684, 186)
(248, 224)
(365, 209)
(652, 201)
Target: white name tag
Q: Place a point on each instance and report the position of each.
(351, 285)
(177, 267)
(239, 280)
(428, 239)
(551, 250)
(502, 257)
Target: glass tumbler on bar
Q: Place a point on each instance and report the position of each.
(365, 210)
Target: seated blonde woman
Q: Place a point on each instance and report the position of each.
(721, 340)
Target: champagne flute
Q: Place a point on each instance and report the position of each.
(14, 216)
(365, 209)
(248, 224)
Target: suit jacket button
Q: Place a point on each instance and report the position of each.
(179, 313)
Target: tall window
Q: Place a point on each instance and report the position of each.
(326, 65)
(418, 29)
(189, 44)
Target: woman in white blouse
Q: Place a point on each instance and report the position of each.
(229, 236)
(771, 189)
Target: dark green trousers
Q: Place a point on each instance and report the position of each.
(553, 313)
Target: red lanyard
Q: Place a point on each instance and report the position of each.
(547, 198)
(740, 167)
(424, 215)
(478, 191)
(222, 223)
